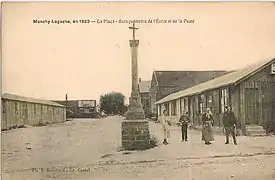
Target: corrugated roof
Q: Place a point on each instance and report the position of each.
(228, 79)
(29, 99)
(144, 86)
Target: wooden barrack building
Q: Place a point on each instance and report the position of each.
(18, 111)
(249, 91)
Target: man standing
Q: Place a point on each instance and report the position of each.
(184, 120)
(229, 122)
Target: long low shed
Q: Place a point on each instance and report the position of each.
(249, 91)
(18, 111)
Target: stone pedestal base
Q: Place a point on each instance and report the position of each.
(135, 110)
(135, 114)
(135, 135)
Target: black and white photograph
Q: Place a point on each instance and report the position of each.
(138, 90)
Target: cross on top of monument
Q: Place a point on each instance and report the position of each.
(134, 28)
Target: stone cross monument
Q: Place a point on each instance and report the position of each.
(135, 110)
(135, 129)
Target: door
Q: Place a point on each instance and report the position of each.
(51, 114)
(252, 115)
(25, 114)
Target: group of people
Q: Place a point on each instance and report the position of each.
(229, 123)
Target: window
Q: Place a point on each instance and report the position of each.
(224, 98)
(202, 103)
(186, 109)
(273, 68)
(181, 105)
(210, 100)
(174, 108)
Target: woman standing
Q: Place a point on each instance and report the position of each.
(165, 124)
(207, 121)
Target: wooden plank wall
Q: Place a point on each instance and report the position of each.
(235, 105)
(264, 82)
(16, 115)
(212, 101)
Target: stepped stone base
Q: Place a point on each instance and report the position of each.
(135, 110)
(135, 134)
(254, 130)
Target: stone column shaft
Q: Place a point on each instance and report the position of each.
(134, 70)
(135, 110)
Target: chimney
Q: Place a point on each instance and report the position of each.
(66, 97)
(139, 80)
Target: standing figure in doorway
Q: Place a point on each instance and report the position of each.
(229, 122)
(207, 121)
(184, 120)
(166, 129)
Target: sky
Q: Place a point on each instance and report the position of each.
(87, 60)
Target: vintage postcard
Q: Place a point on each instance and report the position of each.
(138, 90)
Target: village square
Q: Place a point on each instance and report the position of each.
(180, 124)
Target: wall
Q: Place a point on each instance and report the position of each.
(166, 90)
(264, 84)
(159, 92)
(153, 96)
(211, 100)
(174, 119)
(235, 105)
(17, 113)
(145, 101)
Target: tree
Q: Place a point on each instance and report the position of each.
(113, 103)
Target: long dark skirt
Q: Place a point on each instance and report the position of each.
(207, 133)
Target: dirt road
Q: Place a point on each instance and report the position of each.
(89, 149)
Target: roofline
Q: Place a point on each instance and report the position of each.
(199, 92)
(213, 71)
(255, 71)
(155, 76)
(191, 94)
(48, 104)
(145, 82)
(210, 89)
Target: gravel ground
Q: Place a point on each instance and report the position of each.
(89, 149)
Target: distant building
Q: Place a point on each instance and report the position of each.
(18, 111)
(249, 91)
(79, 108)
(164, 83)
(144, 87)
